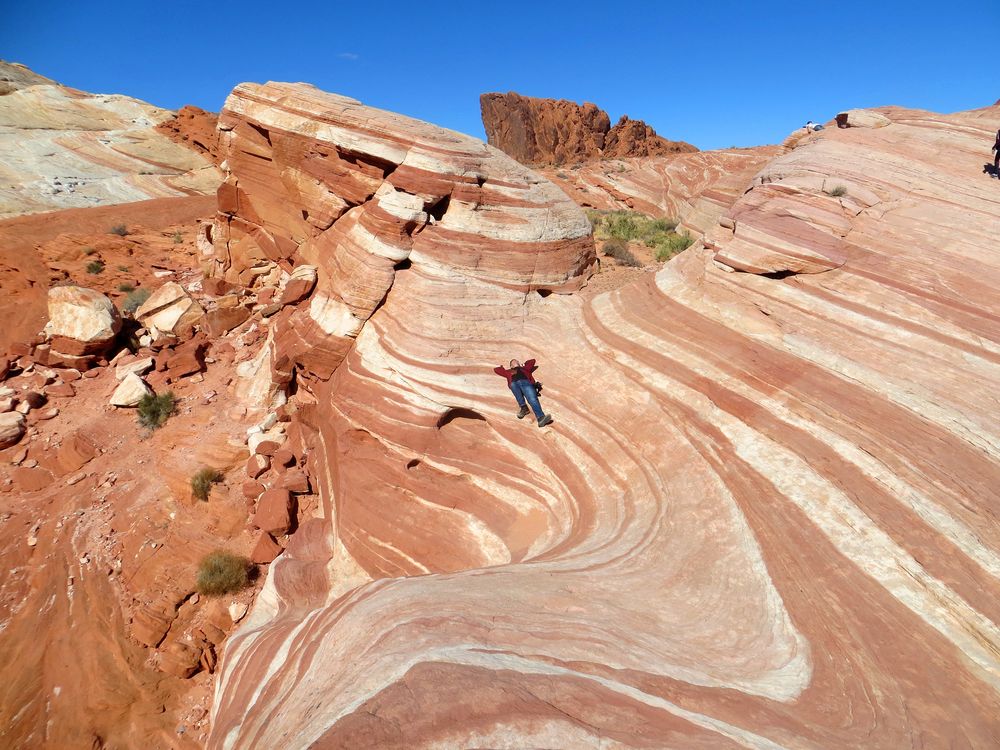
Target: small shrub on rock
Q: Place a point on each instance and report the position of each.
(178, 238)
(617, 249)
(134, 300)
(672, 244)
(89, 250)
(154, 411)
(126, 288)
(838, 191)
(120, 229)
(202, 481)
(222, 572)
(95, 266)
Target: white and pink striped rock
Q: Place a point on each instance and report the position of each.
(764, 516)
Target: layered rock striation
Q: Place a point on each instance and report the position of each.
(763, 518)
(557, 131)
(64, 148)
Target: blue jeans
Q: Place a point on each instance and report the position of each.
(525, 389)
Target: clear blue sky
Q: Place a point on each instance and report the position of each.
(714, 73)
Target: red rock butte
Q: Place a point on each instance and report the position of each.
(557, 131)
(764, 517)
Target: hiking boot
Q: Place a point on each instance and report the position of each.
(523, 413)
(547, 419)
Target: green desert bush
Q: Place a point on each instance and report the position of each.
(134, 300)
(120, 229)
(672, 244)
(126, 288)
(222, 572)
(838, 191)
(95, 266)
(154, 410)
(202, 481)
(89, 250)
(178, 238)
(618, 250)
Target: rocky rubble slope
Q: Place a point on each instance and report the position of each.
(763, 518)
(63, 148)
(556, 131)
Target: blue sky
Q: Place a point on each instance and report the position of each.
(712, 73)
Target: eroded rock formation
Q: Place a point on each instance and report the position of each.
(763, 517)
(557, 131)
(64, 148)
(696, 188)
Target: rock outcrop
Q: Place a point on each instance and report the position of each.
(556, 131)
(696, 189)
(364, 195)
(763, 517)
(195, 128)
(81, 321)
(63, 148)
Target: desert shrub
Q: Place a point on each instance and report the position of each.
(155, 410)
(122, 268)
(673, 244)
(120, 229)
(89, 250)
(838, 191)
(95, 266)
(222, 572)
(618, 250)
(134, 300)
(126, 288)
(202, 481)
(178, 238)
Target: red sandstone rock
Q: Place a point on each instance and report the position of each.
(295, 480)
(179, 659)
(283, 458)
(76, 450)
(220, 321)
(60, 390)
(557, 131)
(265, 549)
(785, 516)
(195, 128)
(252, 490)
(274, 512)
(31, 479)
(257, 465)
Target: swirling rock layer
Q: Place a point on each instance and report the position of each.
(63, 148)
(696, 189)
(764, 517)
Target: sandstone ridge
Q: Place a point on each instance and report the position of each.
(771, 458)
(64, 148)
(557, 131)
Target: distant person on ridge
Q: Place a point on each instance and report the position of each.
(524, 388)
(996, 159)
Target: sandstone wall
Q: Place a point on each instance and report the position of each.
(764, 517)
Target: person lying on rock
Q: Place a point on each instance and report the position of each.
(524, 388)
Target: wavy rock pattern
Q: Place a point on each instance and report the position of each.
(63, 148)
(765, 516)
(695, 188)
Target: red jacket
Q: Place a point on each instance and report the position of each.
(527, 368)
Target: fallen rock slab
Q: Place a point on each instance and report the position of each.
(274, 512)
(299, 285)
(265, 549)
(139, 367)
(130, 392)
(169, 310)
(11, 428)
(81, 321)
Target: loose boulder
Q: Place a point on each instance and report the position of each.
(11, 428)
(81, 321)
(299, 285)
(274, 512)
(131, 391)
(169, 311)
